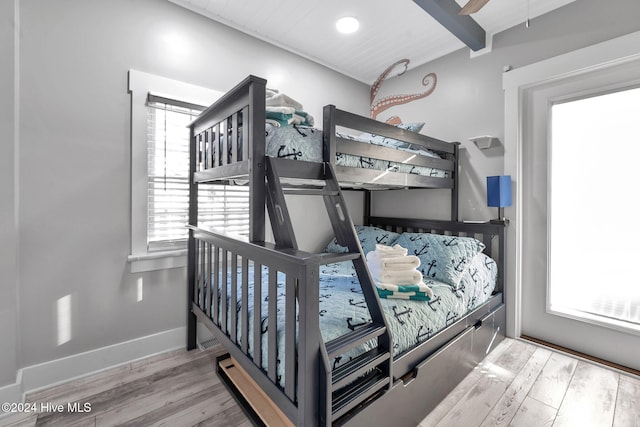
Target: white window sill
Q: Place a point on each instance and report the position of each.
(157, 261)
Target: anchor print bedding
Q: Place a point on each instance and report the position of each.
(343, 307)
(305, 143)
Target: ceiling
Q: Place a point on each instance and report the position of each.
(389, 30)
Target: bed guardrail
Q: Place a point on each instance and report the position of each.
(224, 135)
(336, 119)
(489, 233)
(227, 143)
(226, 269)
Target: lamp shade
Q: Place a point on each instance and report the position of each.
(499, 191)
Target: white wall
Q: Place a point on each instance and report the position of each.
(8, 230)
(311, 222)
(74, 161)
(468, 100)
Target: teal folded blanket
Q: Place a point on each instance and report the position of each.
(415, 296)
(417, 292)
(296, 118)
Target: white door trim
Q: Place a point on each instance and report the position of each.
(599, 56)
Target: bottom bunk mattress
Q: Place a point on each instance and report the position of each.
(342, 307)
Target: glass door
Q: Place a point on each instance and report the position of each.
(592, 269)
(580, 234)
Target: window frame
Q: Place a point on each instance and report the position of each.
(140, 84)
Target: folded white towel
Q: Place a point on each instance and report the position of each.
(390, 251)
(394, 262)
(401, 263)
(383, 252)
(398, 277)
(282, 100)
(283, 110)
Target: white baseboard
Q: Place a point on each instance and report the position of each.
(11, 393)
(57, 371)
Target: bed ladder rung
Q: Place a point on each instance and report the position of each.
(357, 366)
(311, 192)
(360, 392)
(353, 339)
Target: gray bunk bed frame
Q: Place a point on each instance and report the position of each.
(417, 379)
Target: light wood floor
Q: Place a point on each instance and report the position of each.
(521, 385)
(178, 388)
(518, 384)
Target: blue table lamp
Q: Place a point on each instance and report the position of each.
(499, 195)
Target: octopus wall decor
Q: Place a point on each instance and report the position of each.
(429, 81)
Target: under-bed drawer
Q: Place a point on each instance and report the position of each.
(408, 402)
(491, 305)
(489, 331)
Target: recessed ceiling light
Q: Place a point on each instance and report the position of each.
(347, 25)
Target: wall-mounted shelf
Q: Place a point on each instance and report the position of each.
(485, 141)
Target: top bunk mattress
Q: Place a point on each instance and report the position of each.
(305, 143)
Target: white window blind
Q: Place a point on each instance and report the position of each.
(223, 207)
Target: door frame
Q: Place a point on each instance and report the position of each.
(515, 83)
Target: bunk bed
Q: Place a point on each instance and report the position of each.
(269, 303)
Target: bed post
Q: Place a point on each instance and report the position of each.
(255, 123)
(367, 207)
(502, 260)
(456, 181)
(191, 244)
(329, 134)
(308, 348)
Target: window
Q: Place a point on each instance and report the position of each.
(223, 207)
(168, 170)
(161, 110)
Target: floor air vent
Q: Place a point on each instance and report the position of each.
(207, 344)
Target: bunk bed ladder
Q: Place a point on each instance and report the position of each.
(370, 373)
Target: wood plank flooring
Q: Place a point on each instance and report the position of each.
(519, 384)
(179, 388)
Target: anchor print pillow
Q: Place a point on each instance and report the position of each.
(369, 236)
(443, 258)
